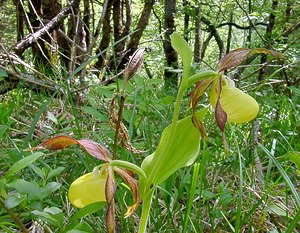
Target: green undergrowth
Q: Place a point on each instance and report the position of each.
(248, 190)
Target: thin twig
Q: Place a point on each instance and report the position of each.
(252, 24)
(31, 79)
(257, 162)
(14, 217)
(98, 28)
(67, 38)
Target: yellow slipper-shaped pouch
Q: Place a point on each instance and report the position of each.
(88, 189)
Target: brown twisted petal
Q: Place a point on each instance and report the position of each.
(133, 185)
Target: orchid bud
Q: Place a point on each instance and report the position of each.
(134, 63)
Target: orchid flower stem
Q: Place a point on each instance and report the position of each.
(151, 180)
(146, 210)
(177, 103)
(129, 166)
(201, 75)
(182, 87)
(148, 197)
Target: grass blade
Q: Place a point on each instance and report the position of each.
(192, 194)
(284, 175)
(294, 223)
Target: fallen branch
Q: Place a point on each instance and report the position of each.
(22, 45)
(239, 26)
(28, 81)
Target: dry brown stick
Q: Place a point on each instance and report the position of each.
(98, 28)
(65, 36)
(257, 162)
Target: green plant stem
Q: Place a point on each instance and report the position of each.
(14, 217)
(129, 166)
(146, 210)
(151, 178)
(183, 86)
(294, 223)
(201, 75)
(156, 166)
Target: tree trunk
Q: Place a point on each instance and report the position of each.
(205, 45)
(118, 24)
(76, 34)
(20, 18)
(122, 25)
(138, 32)
(86, 21)
(171, 79)
(40, 51)
(105, 40)
(288, 11)
(142, 23)
(215, 34)
(197, 48)
(249, 36)
(29, 40)
(268, 37)
(186, 6)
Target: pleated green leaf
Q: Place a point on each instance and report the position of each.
(171, 156)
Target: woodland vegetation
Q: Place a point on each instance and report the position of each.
(62, 71)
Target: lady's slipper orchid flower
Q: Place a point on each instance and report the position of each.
(230, 103)
(239, 106)
(98, 186)
(88, 189)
